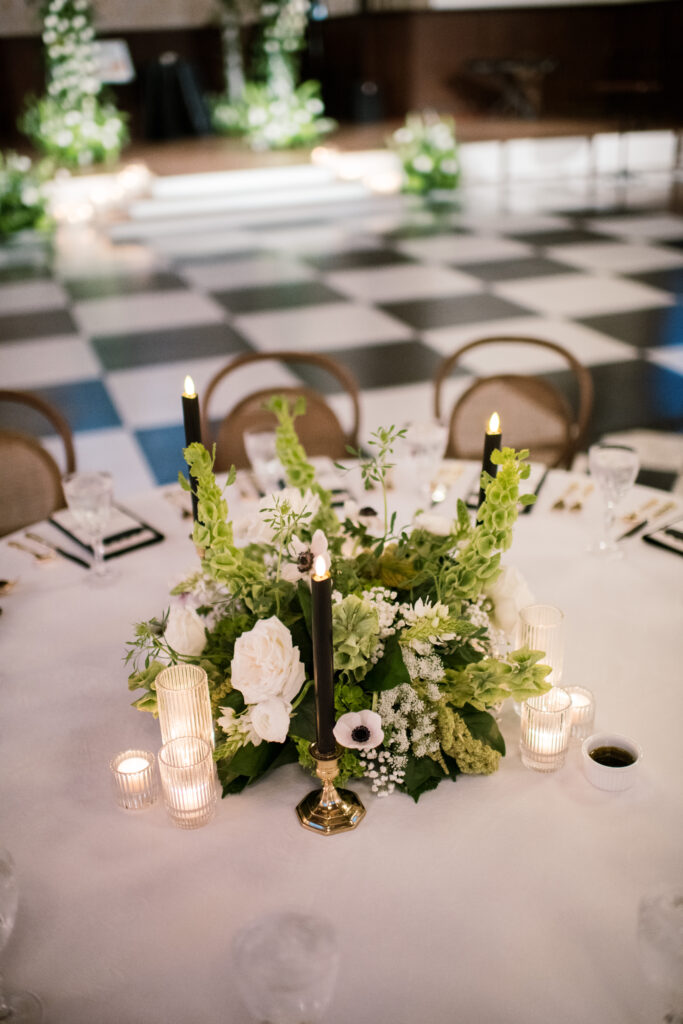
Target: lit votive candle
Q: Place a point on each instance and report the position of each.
(188, 781)
(546, 722)
(583, 711)
(183, 703)
(134, 779)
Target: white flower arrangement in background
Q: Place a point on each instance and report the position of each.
(23, 203)
(428, 152)
(72, 122)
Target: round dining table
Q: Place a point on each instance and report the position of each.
(508, 898)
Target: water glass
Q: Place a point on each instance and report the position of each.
(188, 781)
(424, 448)
(541, 627)
(660, 946)
(261, 452)
(183, 702)
(615, 468)
(546, 723)
(286, 967)
(89, 497)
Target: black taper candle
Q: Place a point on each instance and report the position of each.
(492, 440)
(193, 430)
(323, 660)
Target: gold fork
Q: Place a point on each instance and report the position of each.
(40, 556)
(632, 517)
(562, 500)
(578, 504)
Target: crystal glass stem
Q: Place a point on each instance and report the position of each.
(98, 565)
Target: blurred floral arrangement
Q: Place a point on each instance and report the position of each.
(428, 152)
(418, 653)
(23, 203)
(273, 111)
(73, 123)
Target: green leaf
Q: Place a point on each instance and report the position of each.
(389, 671)
(302, 723)
(483, 727)
(422, 774)
(254, 761)
(305, 601)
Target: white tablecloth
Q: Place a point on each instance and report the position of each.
(507, 898)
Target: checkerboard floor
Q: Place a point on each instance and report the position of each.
(108, 329)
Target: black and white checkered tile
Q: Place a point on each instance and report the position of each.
(107, 329)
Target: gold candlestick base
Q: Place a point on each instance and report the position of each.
(328, 811)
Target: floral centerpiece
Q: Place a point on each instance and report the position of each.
(428, 152)
(23, 202)
(417, 655)
(73, 123)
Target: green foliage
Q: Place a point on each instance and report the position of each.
(423, 774)
(428, 152)
(473, 755)
(356, 633)
(23, 203)
(389, 671)
(478, 561)
(274, 120)
(298, 470)
(488, 682)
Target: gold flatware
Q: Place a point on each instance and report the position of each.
(632, 517)
(40, 556)
(578, 505)
(6, 586)
(561, 502)
(57, 550)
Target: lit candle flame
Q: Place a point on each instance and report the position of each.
(494, 424)
(189, 387)
(320, 567)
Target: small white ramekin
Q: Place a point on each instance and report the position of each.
(602, 776)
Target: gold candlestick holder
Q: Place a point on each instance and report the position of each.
(329, 810)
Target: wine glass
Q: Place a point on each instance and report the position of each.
(89, 497)
(615, 468)
(260, 446)
(15, 1007)
(660, 946)
(286, 967)
(425, 444)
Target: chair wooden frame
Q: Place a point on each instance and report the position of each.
(52, 496)
(577, 422)
(344, 376)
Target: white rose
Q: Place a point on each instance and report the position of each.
(266, 664)
(509, 593)
(440, 526)
(185, 631)
(270, 720)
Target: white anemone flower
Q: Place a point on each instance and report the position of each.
(303, 557)
(359, 730)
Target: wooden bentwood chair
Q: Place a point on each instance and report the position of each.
(319, 430)
(534, 413)
(30, 479)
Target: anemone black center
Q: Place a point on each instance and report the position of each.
(361, 734)
(305, 561)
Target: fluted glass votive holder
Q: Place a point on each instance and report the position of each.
(184, 703)
(188, 781)
(583, 711)
(134, 779)
(541, 627)
(546, 723)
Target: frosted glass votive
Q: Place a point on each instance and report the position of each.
(134, 779)
(188, 781)
(583, 711)
(184, 703)
(546, 722)
(541, 627)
